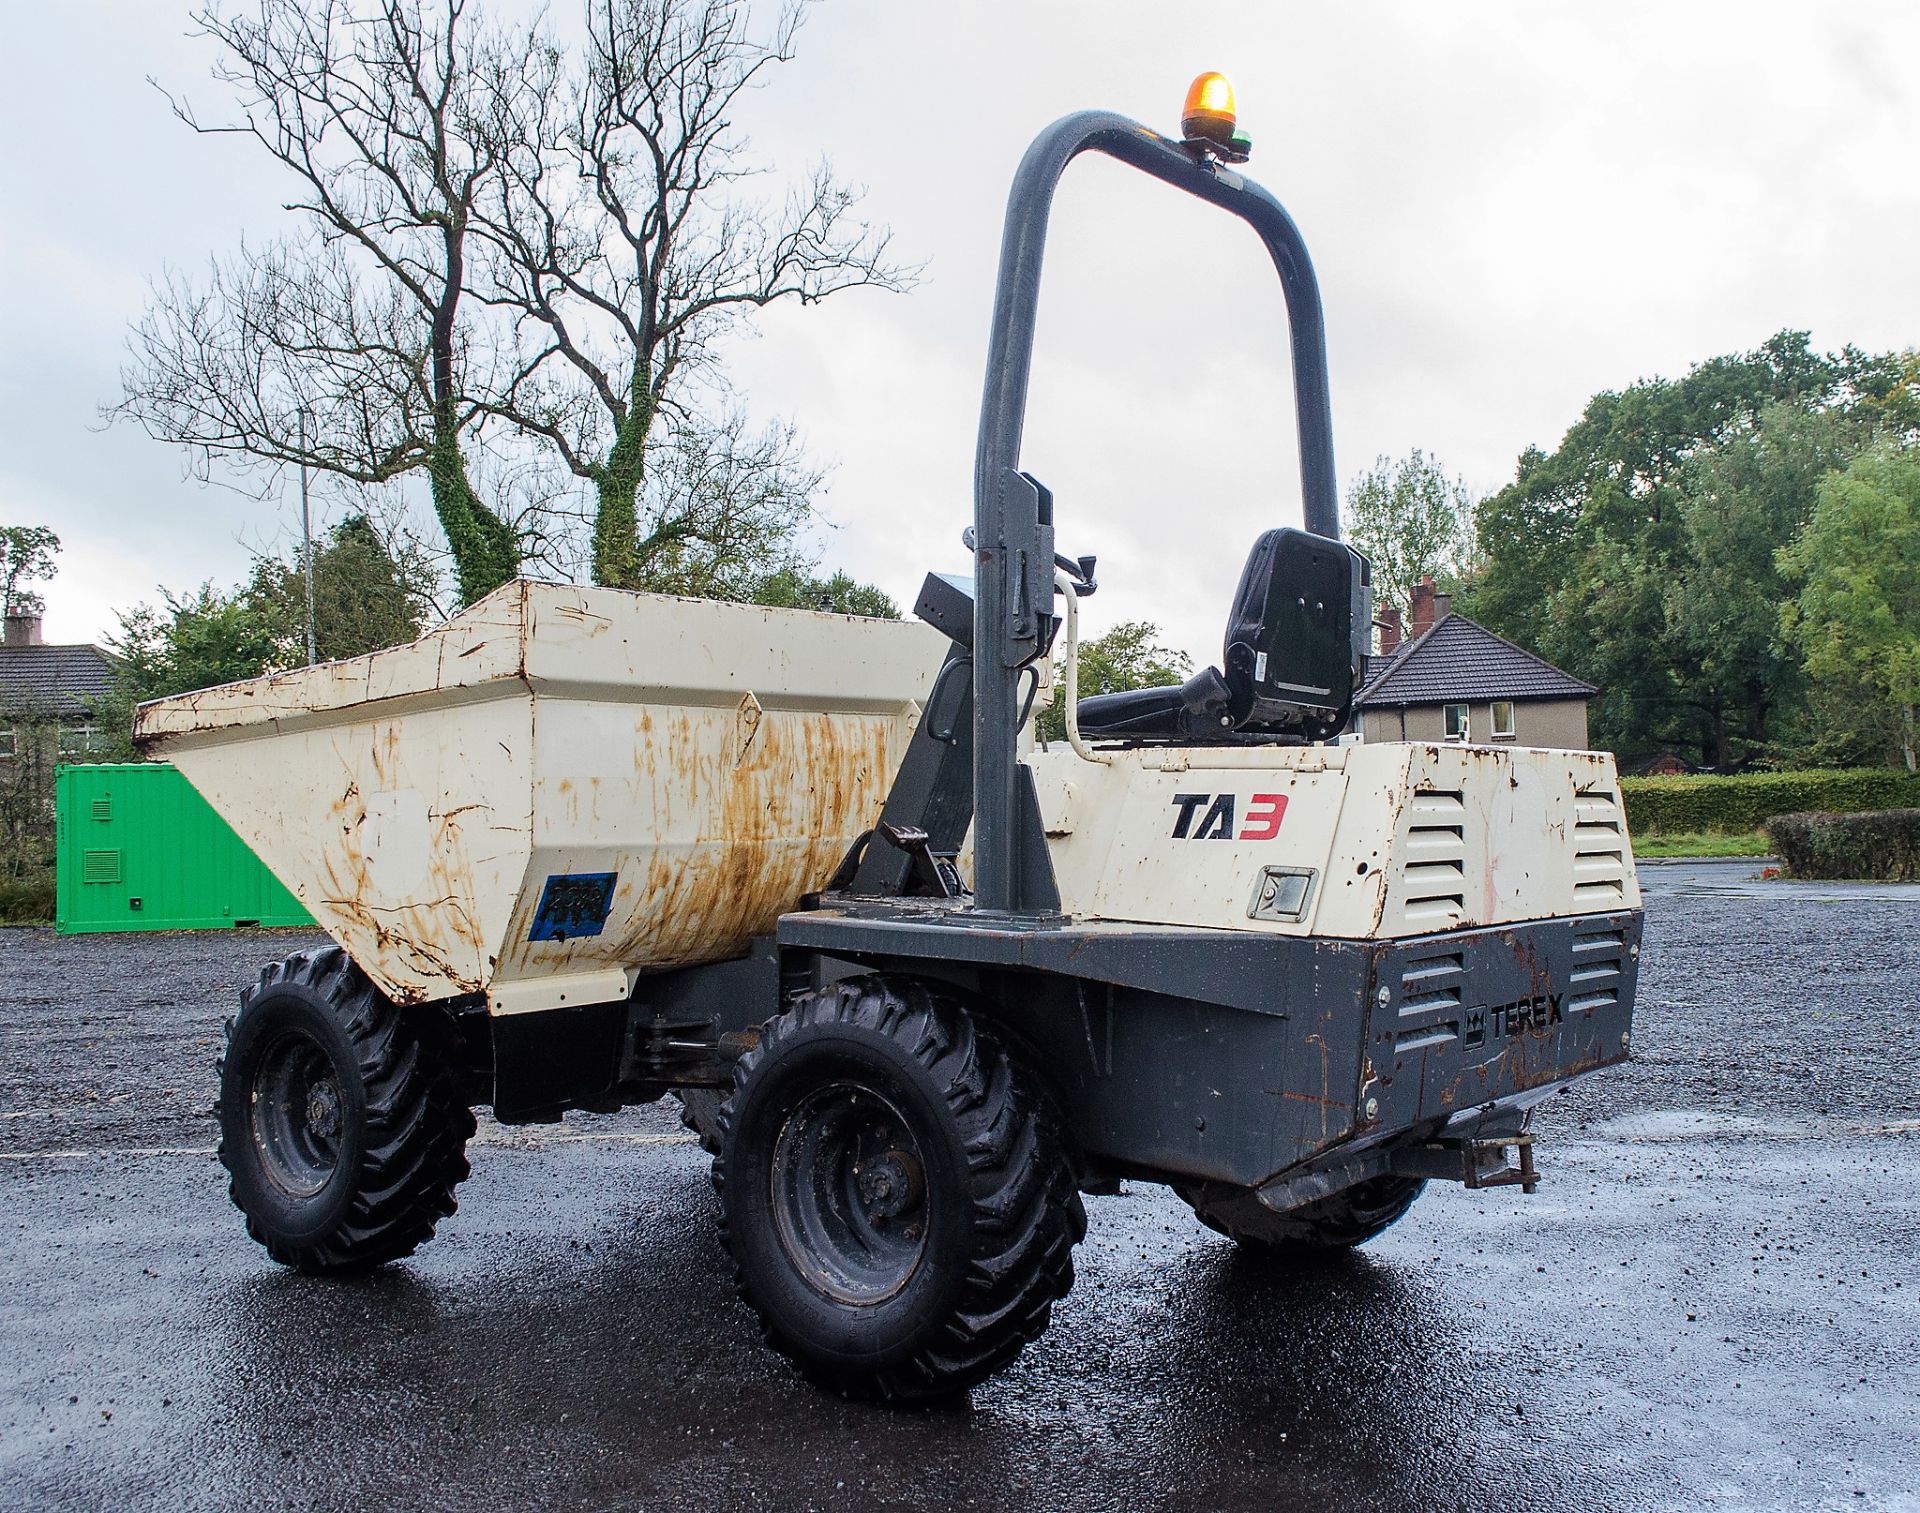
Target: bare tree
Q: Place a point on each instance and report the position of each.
(345, 346)
(507, 256)
(616, 243)
(724, 507)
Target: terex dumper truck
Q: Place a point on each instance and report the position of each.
(919, 983)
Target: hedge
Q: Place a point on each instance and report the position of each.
(1746, 801)
(27, 900)
(1883, 845)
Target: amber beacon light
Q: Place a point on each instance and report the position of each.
(1209, 121)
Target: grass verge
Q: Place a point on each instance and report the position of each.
(1655, 847)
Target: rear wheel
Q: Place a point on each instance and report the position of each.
(1350, 1217)
(342, 1122)
(895, 1197)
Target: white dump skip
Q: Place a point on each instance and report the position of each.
(560, 786)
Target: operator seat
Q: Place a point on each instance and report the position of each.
(1293, 655)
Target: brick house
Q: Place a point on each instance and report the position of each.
(42, 684)
(1448, 678)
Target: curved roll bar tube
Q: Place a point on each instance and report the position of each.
(1013, 516)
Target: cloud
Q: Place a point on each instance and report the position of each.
(1510, 207)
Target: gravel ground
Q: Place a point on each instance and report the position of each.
(1712, 1302)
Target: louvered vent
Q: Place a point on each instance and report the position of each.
(1599, 960)
(1435, 870)
(1429, 999)
(103, 809)
(99, 866)
(1599, 851)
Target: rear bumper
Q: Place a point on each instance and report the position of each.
(1464, 1028)
(1465, 1033)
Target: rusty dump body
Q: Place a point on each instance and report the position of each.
(561, 787)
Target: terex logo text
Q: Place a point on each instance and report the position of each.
(1264, 812)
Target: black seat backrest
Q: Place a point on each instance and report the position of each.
(1299, 628)
(1297, 634)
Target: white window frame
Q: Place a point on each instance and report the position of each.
(78, 740)
(1465, 732)
(9, 743)
(1493, 720)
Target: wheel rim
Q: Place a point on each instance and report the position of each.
(850, 1194)
(297, 1114)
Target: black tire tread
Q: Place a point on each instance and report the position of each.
(700, 1113)
(1340, 1222)
(418, 1122)
(1029, 1215)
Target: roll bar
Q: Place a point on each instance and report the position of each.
(1013, 515)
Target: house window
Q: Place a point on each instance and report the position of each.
(1503, 720)
(76, 740)
(1456, 717)
(9, 745)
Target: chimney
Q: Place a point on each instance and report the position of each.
(22, 629)
(1390, 631)
(1442, 607)
(1421, 613)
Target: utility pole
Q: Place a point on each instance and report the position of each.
(306, 543)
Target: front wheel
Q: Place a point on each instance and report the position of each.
(700, 1113)
(896, 1200)
(342, 1122)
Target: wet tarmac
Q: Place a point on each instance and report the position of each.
(1712, 1302)
(1758, 877)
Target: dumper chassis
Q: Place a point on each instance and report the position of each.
(907, 1080)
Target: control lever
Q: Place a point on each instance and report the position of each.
(1080, 571)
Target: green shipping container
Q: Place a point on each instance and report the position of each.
(140, 850)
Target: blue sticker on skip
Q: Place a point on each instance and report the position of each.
(574, 904)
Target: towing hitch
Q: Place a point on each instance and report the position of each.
(1473, 1162)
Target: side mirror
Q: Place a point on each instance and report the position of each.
(1298, 634)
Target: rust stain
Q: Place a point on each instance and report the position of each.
(734, 830)
(1314, 1098)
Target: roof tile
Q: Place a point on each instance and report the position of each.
(57, 679)
(1459, 659)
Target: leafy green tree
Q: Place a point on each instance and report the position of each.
(1128, 656)
(26, 556)
(1411, 520)
(1639, 554)
(365, 596)
(1856, 618)
(1611, 479)
(841, 594)
(1740, 501)
(26, 815)
(200, 639)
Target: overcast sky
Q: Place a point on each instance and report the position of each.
(1510, 207)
